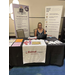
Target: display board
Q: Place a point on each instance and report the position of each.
(52, 20)
(21, 18)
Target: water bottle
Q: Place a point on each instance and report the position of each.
(29, 42)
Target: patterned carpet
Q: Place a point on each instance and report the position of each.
(38, 70)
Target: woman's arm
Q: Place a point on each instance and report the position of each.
(35, 33)
(44, 31)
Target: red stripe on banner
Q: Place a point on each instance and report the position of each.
(49, 35)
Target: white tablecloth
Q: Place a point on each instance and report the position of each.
(34, 53)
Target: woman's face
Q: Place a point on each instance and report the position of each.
(40, 26)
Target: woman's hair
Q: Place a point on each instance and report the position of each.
(39, 23)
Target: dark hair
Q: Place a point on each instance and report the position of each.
(39, 23)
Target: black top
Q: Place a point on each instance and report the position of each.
(39, 34)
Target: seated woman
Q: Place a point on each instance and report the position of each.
(39, 31)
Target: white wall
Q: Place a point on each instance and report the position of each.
(36, 13)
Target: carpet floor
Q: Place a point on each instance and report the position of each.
(38, 70)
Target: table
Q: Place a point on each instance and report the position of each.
(54, 55)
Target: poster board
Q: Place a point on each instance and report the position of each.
(52, 20)
(21, 18)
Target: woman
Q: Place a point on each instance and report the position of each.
(39, 31)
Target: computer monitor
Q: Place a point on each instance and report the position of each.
(44, 36)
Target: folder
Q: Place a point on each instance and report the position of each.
(19, 40)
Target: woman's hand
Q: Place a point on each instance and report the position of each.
(36, 37)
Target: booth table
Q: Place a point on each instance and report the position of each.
(54, 54)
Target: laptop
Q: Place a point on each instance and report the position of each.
(44, 36)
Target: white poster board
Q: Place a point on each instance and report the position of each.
(21, 18)
(52, 20)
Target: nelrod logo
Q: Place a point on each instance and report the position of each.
(30, 52)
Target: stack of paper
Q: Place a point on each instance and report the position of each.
(19, 40)
(32, 37)
(34, 43)
(55, 42)
(11, 41)
(10, 44)
(17, 44)
(51, 42)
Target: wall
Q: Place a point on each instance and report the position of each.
(36, 13)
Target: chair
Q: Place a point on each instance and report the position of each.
(20, 33)
(34, 31)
